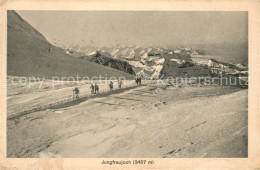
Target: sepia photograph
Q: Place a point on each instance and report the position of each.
(127, 84)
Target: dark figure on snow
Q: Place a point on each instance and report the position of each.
(138, 80)
(111, 85)
(119, 84)
(76, 92)
(96, 89)
(92, 87)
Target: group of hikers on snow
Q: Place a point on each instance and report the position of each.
(95, 88)
(111, 85)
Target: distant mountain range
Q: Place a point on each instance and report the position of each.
(155, 62)
(30, 54)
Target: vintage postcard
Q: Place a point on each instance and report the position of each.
(129, 84)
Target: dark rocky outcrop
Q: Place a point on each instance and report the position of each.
(184, 68)
(106, 60)
(173, 69)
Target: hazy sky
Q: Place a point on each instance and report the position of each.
(139, 28)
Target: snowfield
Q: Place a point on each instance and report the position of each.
(152, 120)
